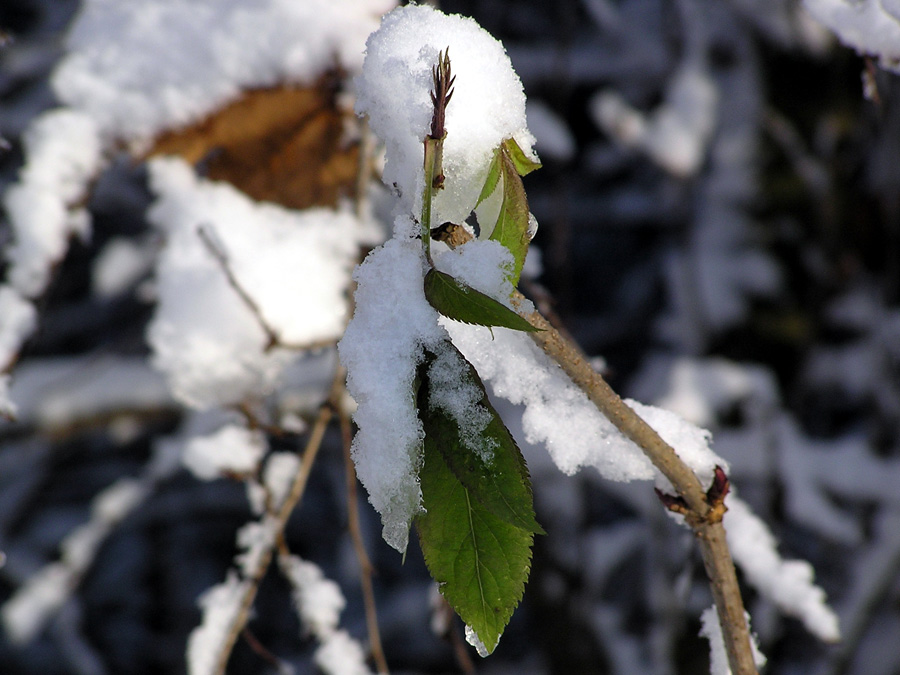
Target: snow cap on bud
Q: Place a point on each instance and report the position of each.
(395, 89)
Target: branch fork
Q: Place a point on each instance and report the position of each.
(715, 498)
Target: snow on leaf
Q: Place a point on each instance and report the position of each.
(486, 459)
(208, 342)
(381, 348)
(556, 413)
(142, 68)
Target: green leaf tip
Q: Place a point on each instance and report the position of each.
(512, 229)
(523, 163)
(480, 562)
(493, 178)
(460, 302)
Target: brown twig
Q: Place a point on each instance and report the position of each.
(281, 516)
(703, 511)
(363, 176)
(454, 635)
(365, 565)
(363, 168)
(273, 339)
(262, 651)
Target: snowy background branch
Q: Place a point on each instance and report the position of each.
(717, 213)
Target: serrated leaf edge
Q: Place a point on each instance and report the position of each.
(507, 317)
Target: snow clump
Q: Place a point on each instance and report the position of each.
(294, 266)
(202, 55)
(488, 104)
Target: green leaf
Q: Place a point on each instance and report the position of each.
(493, 177)
(487, 462)
(460, 302)
(511, 229)
(480, 561)
(523, 163)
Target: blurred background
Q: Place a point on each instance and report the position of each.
(719, 214)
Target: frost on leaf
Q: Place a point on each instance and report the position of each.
(461, 423)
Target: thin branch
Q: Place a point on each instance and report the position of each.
(703, 511)
(273, 339)
(571, 360)
(281, 517)
(365, 565)
(260, 649)
(453, 634)
(363, 177)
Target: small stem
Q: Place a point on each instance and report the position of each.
(365, 565)
(430, 158)
(364, 168)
